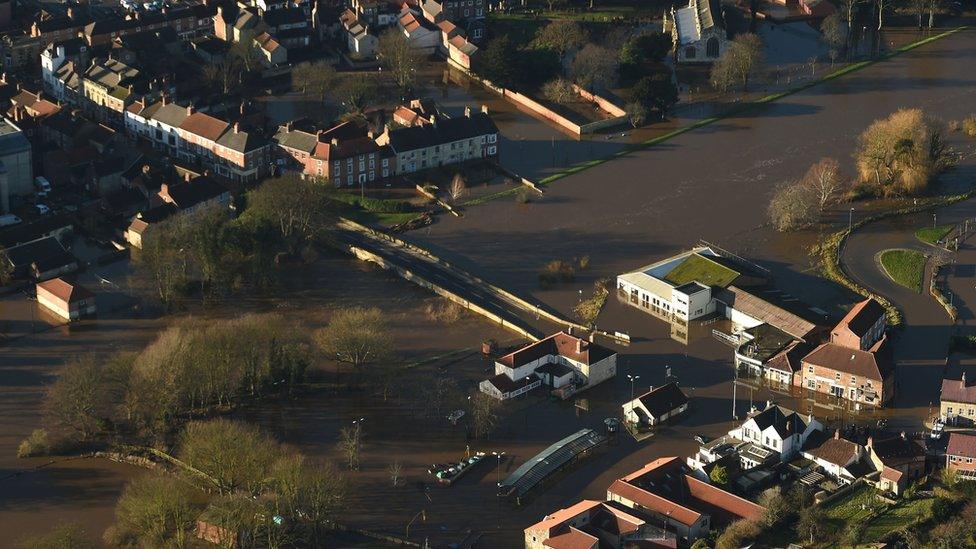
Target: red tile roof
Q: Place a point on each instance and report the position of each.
(561, 344)
(556, 519)
(573, 539)
(654, 502)
(958, 390)
(67, 292)
(204, 125)
(874, 364)
(962, 444)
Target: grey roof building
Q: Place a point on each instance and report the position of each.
(16, 171)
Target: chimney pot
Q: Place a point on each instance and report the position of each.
(186, 177)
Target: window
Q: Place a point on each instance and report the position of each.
(690, 52)
(493, 138)
(386, 162)
(837, 375)
(492, 149)
(810, 369)
(711, 47)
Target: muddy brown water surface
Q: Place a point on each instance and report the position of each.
(712, 183)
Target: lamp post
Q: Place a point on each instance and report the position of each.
(934, 217)
(632, 380)
(498, 469)
(850, 221)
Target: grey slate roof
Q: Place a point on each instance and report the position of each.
(444, 131)
(171, 114)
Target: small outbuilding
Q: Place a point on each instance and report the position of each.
(65, 299)
(656, 405)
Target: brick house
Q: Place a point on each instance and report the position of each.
(857, 363)
(900, 459)
(345, 154)
(193, 194)
(960, 455)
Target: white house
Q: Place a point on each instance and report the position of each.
(561, 361)
(777, 428)
(656, 406)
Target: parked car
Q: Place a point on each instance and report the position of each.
(43, 209)
(42, 184)
(938, 427)
(9, 219)
(702, 439)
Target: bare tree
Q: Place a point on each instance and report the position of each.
(793, 206)
(559, 91)
(850, 11)
(458, 188)
(636, 114)
(824, 179)
(902, 154)
(224, 74)
(881, 6)
(6, 269)
(299, 209)
(595, 65)
(737, 63)
(315, 78)
(832, 34)
(484, 417)
(356, 336)
(561, 36)
(394, 470)
(350, 444)
(399, 57)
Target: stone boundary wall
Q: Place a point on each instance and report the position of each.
(535, 108)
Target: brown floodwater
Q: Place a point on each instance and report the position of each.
(712, 183)
(86, 490)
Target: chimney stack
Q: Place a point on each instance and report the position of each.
(963, 381)
(189, 110)
(484, 109)
(164, 99)
(164, 192)
(237, 127)
(467, 112)
(836, 434)
(186, 177)
(335, 142)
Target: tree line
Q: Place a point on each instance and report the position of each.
(212, 253)
(901, 155)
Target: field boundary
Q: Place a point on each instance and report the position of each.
(854, 67)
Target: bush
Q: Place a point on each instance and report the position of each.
(969, 125)
(36, 444)
(557, 271)
(738, 534)
(447, 312)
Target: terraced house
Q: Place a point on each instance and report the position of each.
(444, 141)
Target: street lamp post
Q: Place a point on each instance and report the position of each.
(498, 469)
(850, 221)
(632, 380)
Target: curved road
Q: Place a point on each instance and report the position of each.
(922, 346)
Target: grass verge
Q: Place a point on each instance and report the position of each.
(932, 235)
(582, 166)
(905, 267)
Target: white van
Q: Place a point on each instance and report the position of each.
(43, 185)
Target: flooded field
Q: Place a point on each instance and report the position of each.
(86, 490)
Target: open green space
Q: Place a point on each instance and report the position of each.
(933, 235)
(377, 211)
(905, 267)
(860, 506)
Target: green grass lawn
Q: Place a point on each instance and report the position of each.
(933, 235)
(896, 517)
(848, 508)
(905, 267)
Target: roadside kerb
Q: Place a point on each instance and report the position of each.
(831, 248)
(518, 302)
(725, 114)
